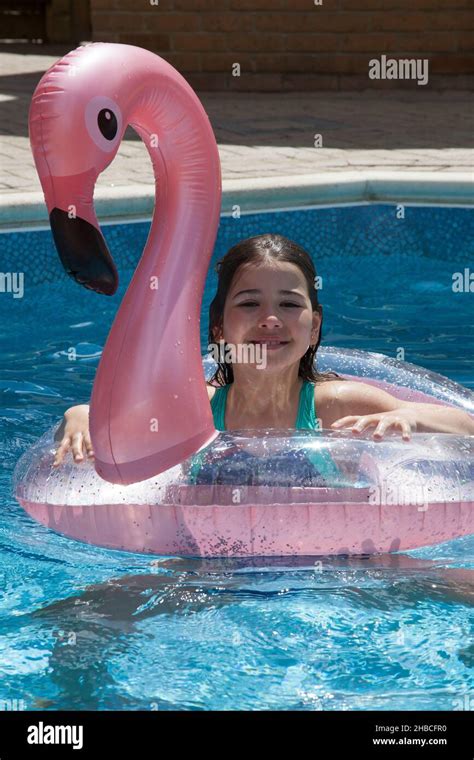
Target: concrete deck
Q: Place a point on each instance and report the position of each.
(264, 135)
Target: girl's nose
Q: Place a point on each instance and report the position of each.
(270, 321)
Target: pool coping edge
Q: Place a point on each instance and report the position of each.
(251, 195)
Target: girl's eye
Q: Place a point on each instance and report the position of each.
(254, 303)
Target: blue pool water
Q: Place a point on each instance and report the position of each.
(87, 628)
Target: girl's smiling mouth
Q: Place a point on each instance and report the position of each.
(271, 343)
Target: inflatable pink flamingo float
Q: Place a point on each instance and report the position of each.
(78, 115)
(149, 408)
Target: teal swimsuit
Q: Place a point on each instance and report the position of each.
(306, 419)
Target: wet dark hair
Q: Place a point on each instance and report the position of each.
(259, 250)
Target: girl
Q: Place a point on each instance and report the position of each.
(266, 297)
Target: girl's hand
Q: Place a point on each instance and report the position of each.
(74, 434)
(403, 419)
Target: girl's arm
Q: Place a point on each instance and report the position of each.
(363, 406)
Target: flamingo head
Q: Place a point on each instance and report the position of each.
(76, 126)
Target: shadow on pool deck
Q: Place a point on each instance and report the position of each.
(266, 134)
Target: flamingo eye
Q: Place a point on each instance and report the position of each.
(104, 120)
(107, 123)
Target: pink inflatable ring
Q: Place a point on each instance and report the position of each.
(277, 492)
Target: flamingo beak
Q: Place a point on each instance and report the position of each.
(83, 252)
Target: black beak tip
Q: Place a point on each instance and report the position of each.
(104, 287)
(84, 253)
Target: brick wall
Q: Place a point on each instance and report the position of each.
(284, 45)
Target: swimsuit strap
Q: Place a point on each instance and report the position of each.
(306, 418)
(218, 405)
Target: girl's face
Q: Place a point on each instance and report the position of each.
(271, 303)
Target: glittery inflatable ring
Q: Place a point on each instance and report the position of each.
(277, 492)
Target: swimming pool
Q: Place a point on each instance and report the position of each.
(86, 628)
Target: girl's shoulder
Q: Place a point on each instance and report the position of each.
(342, 391)
(330, 388)
(354, 397)
(332, 400)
